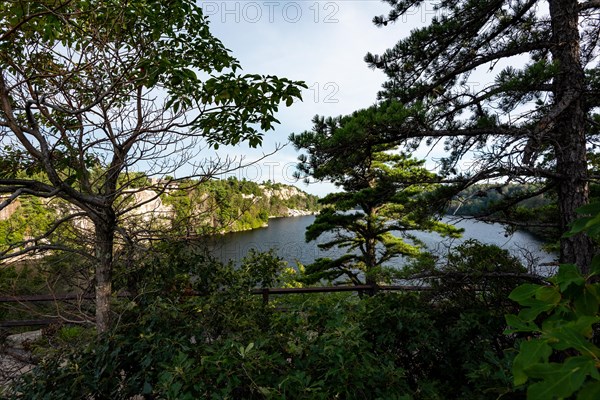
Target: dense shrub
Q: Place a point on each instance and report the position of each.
(228, 344)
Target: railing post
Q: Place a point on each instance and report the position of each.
(265, 296)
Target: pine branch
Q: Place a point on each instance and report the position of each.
(589, 5)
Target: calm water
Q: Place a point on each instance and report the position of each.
(286, 236)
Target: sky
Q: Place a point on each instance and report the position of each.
(322, 43)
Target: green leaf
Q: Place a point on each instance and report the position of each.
(530, 353)
(249, 347)
(586, 303)
(594, 231)
(524, 292)
(595, 266)
(559, 380)
(518, 325)
(536, 307)
(578, 226)
(568, 274)
(569, 337)
(591, 391)
(548, 295)
(594, 221)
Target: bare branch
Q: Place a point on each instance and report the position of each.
(586, 5)
(33, 245)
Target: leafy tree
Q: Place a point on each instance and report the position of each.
(91, 89)
(384, 196)
(530, 124)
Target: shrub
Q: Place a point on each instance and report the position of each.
(226, 343)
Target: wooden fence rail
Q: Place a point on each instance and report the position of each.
(44, 298)
(265, 292)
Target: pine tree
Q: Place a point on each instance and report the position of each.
(384, 199)
(532, 122)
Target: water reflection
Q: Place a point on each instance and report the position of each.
(286, 236)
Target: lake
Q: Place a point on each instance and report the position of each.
(286, 236)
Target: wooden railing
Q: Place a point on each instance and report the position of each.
(45, 298)
(265, 292)
(369, 289)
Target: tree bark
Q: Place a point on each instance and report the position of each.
(371, 249)
(105, 232)
(568, 134)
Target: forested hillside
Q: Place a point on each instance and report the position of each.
(480, 199)
(233, 205)
(191, 208)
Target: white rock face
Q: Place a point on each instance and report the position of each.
(284, 193)
(150, 206)
(146, 209)
(9, 210)
(298, 213)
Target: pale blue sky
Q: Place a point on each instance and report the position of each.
(320, 42)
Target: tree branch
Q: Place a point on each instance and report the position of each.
(586, 5)
(5, 35)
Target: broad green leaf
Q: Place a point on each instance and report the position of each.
(524, 292)
(568, 337)
(591, 391)
(593, 231)
(586, 303)
(548, 294)
(559, 380)
(594, 221)
(533, 311)
(530, 353)
(568, 274)
(578, 226)
(518, 325)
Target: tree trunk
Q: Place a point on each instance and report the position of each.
(105, 232)
(568, 133)
(370, 247)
